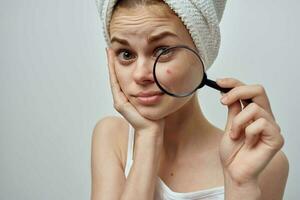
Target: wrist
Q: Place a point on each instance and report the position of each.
(148, 147)
(152, 133)
(151, 137)
(246, 190)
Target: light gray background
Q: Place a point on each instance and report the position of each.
(54, 87)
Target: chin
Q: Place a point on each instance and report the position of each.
(163, 110)
(152, 113)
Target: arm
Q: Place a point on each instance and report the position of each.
(108, 180)
(106, 168)
(254, 167)
(270, 185)
(142, 177)
(245, 191)
(273, 179)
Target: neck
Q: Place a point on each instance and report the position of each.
(186, 130)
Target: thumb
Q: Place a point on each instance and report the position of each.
(233, 110)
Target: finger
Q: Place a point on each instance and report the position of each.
(121, 103)
(262, 129)
(117, 93)
(243, 92)
(130, 113)
(254, 92)
(246, 117)
(112, 77)
(229, 82)
(233, 110)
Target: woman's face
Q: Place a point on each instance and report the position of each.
(137, 36)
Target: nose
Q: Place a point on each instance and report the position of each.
(142, 73)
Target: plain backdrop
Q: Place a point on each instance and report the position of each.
(54, 87)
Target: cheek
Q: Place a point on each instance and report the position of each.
(166, 73)
(123, 76)
(169, 72)
(176, 104)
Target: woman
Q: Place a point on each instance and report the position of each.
(164, 147)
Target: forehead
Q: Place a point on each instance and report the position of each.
(143, 20)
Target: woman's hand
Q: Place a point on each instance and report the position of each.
(124, 107)
(252, 137)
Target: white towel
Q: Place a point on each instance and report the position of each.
(201, 18)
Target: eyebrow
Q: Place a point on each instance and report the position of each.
(161, 36)
(149, 39)
(119, 40)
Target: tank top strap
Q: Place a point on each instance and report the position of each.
(130, 149)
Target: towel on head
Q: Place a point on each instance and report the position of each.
(201, 18)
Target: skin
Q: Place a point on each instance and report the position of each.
(137, 77)
(245, 156)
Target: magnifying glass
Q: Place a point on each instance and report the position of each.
(179, 71)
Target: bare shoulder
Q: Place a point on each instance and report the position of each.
(107, 158)
(274, 177)
(113, 131)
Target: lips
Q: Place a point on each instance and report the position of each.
(149, 94)
(149, 98)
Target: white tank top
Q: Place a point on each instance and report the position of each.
(163, 192)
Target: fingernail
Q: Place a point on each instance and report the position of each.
(224, 99)
(219, 80)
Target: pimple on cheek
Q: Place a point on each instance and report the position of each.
(169, 71)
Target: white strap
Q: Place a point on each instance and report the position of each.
(130, 149)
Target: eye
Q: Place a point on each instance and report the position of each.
(164, 54)
(125, 55)
(160, 50)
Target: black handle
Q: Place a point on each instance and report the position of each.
(214, 85)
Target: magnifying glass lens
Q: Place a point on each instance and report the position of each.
(178, 71)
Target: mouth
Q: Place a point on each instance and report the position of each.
(149, 98)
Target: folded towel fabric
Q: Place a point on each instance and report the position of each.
(201, 18)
